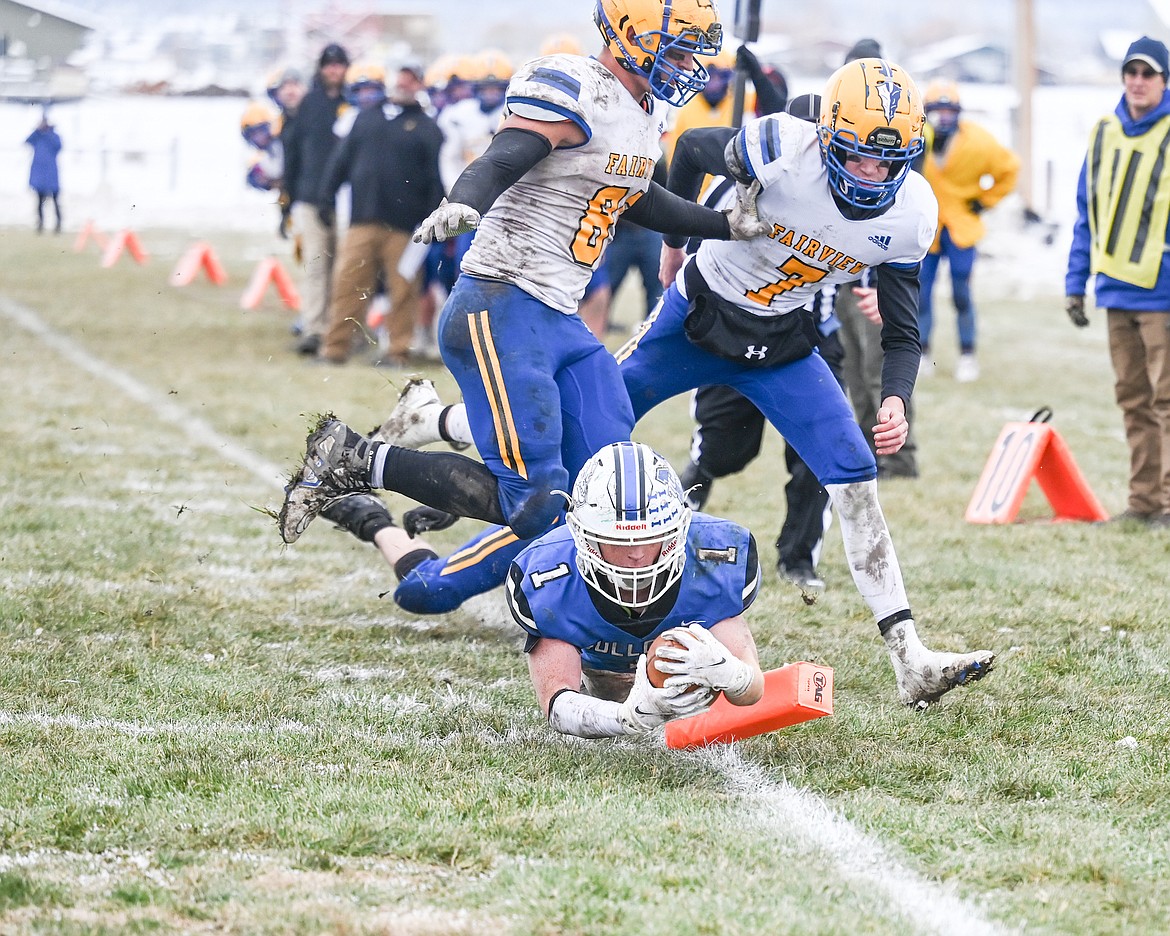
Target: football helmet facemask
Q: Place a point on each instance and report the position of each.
(365, 84)
(628, 495)
(649, 38)
(870, 108)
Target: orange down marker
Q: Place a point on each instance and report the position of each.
(199, 256)
(268, 271)
(795, 693)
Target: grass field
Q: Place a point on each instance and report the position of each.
(203, 731)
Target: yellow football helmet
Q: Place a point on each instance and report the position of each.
(258, 124)
(870, 108)
(364, 73)
(561, 43)
(647, 36)
(494, 66)
(941, 92)
(441, 71)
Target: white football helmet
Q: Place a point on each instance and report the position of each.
(628, 495)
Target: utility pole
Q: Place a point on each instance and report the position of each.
(747, 29)
(1025, 83)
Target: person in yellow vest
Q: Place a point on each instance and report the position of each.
(960, 156)
(1123, 205)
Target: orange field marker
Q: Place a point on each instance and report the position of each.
(1027, 450)
(268, 271)
(795, 693)
(124, 240)
(87, 233)
(199, 256)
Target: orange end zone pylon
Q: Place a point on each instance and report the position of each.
(268, 271)
(199, 256)
(795, 693)
(87, 233)
(124, 240)
(1027, 450)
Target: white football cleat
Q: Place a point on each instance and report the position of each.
(414, 421)
(967, 369)
(930, 675)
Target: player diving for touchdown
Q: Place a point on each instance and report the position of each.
(848, 200)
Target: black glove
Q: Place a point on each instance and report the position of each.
(976, 206)
(424, 519)
(326, 215)
(285, 222)
(1075, 307)
(746, 61)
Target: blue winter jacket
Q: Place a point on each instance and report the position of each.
(1112, 293)
(43, 175)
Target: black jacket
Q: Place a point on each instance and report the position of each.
(308, 142)
(392, 166)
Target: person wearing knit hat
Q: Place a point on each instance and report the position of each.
(1132, 268)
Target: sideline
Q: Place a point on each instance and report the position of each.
(797, 815)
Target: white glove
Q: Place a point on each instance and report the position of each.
(702, 660)
(450, 219)
(647, 708)
(743, 218)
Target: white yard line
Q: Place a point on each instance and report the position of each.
(795, 814)
(799, 816)
(197, 430)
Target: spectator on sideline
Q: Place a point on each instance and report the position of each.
(308, 144)
(390, 158)
(960, 156)
(1114, 237)
(43, 176)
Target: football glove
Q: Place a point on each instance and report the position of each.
(424, 519)
(450, 219)
(647, 708)
(1075, 307)
(703, 661)
(743, 217)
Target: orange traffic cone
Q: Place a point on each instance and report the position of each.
(124, 240)
(199, 256)
(268, 271)
(795, 693)
(87, 233)
(1027, 450)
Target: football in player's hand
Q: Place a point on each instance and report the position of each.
(653, 673)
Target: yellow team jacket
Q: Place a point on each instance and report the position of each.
(698, 113)
(957, 177)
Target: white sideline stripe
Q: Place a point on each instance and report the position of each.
(797, 814)
(197, 430)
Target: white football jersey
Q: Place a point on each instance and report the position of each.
(467, 131)
(811, 244)
(546, 233)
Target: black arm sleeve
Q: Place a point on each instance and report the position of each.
(511, 153)
(898, 301)
(698, 153)
(770, 99)
(661, 211)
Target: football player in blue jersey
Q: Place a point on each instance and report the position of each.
(630, 563)
(575, 153)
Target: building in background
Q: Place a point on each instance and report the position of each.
(37, 42)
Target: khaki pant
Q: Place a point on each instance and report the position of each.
(318, 245)
(1139, 345)
(367, 250)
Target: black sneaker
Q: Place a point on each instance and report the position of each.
(363, 515)
(334, 466)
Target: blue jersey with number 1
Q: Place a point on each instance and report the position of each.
(548, 597)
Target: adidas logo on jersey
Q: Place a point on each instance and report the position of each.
(882, 240)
